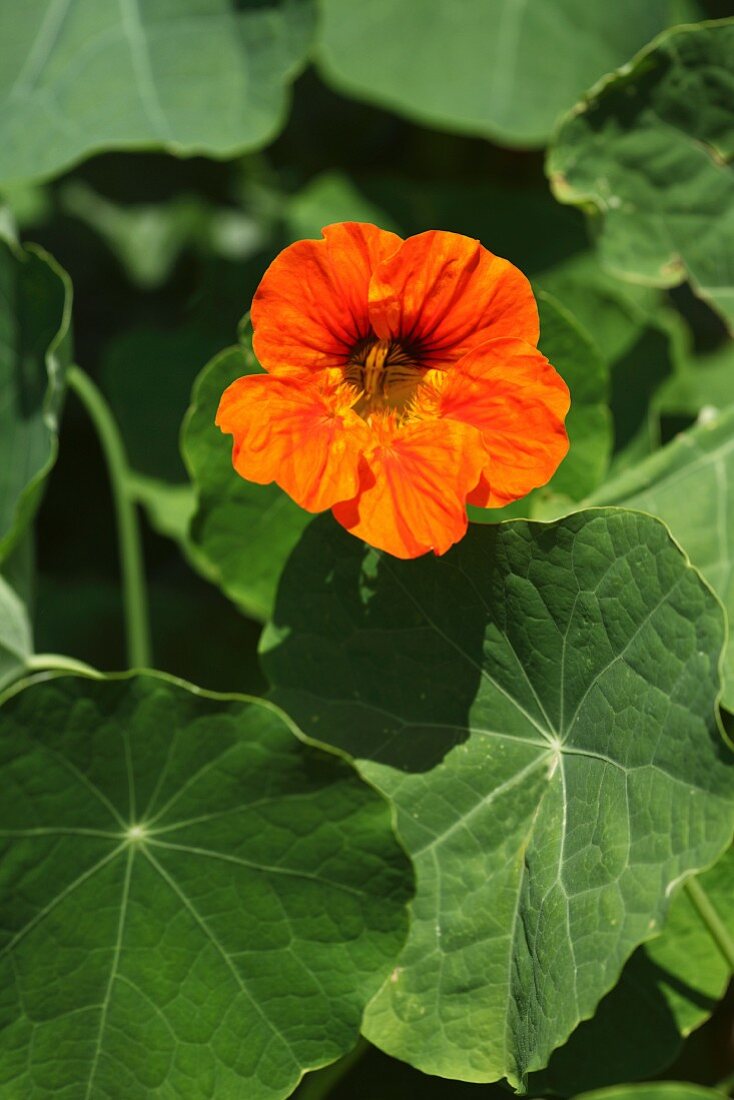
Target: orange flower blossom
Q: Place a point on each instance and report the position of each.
(403, 381)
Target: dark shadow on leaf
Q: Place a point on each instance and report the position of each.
(394, 647)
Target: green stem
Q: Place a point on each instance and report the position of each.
(128, 532)
(716, 928)
(319, 1084)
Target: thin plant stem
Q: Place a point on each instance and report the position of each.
(714, 924)
(135, 598)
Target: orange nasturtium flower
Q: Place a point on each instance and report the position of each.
(403, 381)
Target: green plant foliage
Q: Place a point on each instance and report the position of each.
(690, 485)
(331, 197)
(149, 238)
(16, 641)
(162, 364)
(503, 70)
(613, 312)
(546, 730)
(702, 381)
(588, 423)
(668, 988)
(195, 902)
(35, 348)
(195, 77)
(660, 1090)
(648, 150)
(241, 533)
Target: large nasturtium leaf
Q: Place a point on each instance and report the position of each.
(35, 347)
(197, 76)
(494, 68)
(241, 533)
(690, 485)
(649, 150)
(668, 988)
(539, 704)
(194, 902)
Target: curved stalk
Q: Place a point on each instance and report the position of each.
(135, 598)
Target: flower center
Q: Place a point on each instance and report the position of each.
(385, 374)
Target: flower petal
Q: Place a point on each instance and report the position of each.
(295, 433)
(311, 305)
(448, 294)
(510, 392)
(413, 489)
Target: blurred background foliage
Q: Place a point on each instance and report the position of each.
(165, 252)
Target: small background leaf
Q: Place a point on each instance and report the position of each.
(649, 150)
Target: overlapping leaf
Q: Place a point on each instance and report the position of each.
(690, 485)
(35, 346)
(241, 533)
(502, 70)
(668, 988)
(82, 75)
(650, 150)
(539, 705)
(194, 902)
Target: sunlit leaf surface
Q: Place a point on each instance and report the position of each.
(668, 988)
(539, 706)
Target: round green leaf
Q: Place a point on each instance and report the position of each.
(241, 533)
(649, 150)
(35, 349)
(192, 77)
(494, 68)
(539, 704)
(194, 901)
